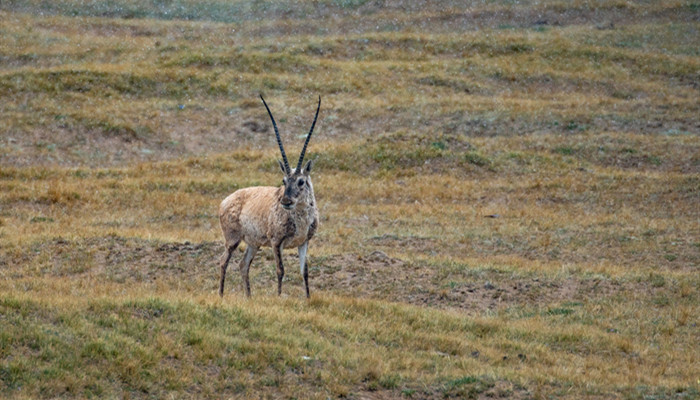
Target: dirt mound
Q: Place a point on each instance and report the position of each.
(194, 267)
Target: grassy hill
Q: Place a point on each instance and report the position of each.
(509, 191)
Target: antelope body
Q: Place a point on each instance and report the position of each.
(276, 217)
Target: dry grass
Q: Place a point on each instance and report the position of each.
(509, 193)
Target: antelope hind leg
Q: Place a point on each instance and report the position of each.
(250, 252)
(224, 264)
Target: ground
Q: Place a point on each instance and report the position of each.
(509, 199)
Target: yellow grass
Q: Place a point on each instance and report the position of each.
(509, 211)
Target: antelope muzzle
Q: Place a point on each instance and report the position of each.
(287, 203)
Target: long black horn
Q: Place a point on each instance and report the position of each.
(303, 150)
(279, 141)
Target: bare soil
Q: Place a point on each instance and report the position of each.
(195, 267)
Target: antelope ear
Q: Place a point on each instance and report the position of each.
(282, 167)
(307, 167)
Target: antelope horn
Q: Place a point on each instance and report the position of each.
(279, 141)
(303, 150)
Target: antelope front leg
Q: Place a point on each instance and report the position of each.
(280, 267)
(304, 266)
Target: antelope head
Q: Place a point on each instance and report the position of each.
(297, 182)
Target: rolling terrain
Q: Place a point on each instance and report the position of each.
(509, 197)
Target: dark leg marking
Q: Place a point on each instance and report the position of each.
(224, 264)
(280, 267)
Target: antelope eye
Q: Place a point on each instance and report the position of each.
(300, 183)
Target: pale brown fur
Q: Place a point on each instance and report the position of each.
(276, 217)
(255, 216)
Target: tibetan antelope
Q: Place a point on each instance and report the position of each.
(278, 217)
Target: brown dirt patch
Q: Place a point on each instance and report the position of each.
(471, 387)
(379, 276)
(195, 267)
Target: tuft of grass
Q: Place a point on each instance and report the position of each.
(473, 157)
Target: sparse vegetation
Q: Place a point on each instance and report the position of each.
(510, 197)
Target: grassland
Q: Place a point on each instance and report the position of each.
(510, 199)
